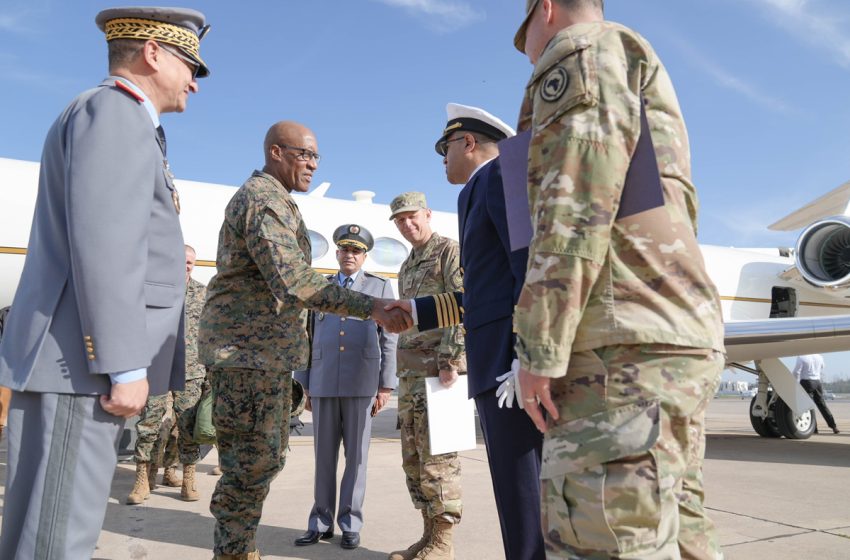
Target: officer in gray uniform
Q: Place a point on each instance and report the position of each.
(352, 373)
(97, 321)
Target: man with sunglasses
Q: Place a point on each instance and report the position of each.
(253, 329)
(350, 378)
(97, 319)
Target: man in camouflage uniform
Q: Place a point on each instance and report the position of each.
(619, 330)
(150, 440)
(433, 481)
(253, 331)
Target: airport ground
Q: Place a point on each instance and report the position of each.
(771, 498)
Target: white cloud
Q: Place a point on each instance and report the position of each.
(726, 79)
(442, 15)
(821, 23)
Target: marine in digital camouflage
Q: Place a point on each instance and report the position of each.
(433, 481)
(256, 310)
(252, 336)
(251, 417)
(617, 306)
(149, 445)
(195, 298)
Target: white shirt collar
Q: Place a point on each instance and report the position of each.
(477, 169)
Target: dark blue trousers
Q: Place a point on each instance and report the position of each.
(513, 451)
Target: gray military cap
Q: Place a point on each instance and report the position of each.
(408, 202)
(181, 27)
(352, 235)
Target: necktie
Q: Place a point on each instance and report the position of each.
(347, 282)
(160, 138)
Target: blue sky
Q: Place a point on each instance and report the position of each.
(763, 85)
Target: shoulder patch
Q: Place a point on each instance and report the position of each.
(554, 84)
(129, 91)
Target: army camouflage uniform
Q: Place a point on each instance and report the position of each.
(253, 334)
(433, 481)
(149, 448)
(617, 307)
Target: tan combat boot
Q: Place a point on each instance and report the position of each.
(245, 556)
(169, 477)
(440, 546)
(411, 551)
(188, 493)
(141, 490)
(153, 468)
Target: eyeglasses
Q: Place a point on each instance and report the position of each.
(443, 145)
(193, 66)
(303, 153)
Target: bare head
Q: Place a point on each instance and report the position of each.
(191, 257)
(291, 155)
(548, 17)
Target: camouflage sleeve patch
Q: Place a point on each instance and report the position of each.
(452, 346)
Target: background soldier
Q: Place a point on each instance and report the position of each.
(185, 404)
(253, 330)
(96, 323)
(618, 325)
(808, 370)
(352, 373)
(433, 481)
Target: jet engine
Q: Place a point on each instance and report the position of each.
(823, 253)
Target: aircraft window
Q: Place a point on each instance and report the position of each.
(388, 252)
(319, 244)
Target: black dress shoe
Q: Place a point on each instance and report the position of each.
(350, 539)
(312, 537)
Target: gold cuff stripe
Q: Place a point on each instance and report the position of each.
(146, 29)
(455, 311)
(441, 311)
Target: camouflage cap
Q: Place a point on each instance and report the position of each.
(180, 27)
(352, 235)
(408, 202)
(519, 38)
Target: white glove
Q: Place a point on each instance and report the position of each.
(509, 389)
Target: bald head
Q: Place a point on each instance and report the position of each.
(291, 155)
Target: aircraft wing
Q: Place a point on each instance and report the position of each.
(793, 336)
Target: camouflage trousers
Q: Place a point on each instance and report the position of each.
(251, 418)
(622, 466)
(150, 442)
(433, 481)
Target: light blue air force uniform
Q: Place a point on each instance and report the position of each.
(351, 359)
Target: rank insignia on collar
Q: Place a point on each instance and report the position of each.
(554, 84)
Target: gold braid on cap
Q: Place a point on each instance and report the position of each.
(148, 29)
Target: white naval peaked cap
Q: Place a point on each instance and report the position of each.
(473, 119)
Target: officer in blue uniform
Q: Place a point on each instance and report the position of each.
(492, 278)
(352, 373)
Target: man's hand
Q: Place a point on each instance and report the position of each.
(535, 392)
(126, 399)
(448, 377)
(381, 400)
(391, 319)
(403, 304)
(308, 404)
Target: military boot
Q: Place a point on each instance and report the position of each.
(439, 547)
(141, 490)
(411, 551)
(169, 477)
(244, 556)
(153, 468)
(188, 492)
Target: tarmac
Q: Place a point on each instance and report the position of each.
(770, 498)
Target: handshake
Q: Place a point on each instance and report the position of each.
(394, 315)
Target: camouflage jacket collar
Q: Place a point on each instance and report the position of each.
(424, 253)
(275, 183)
